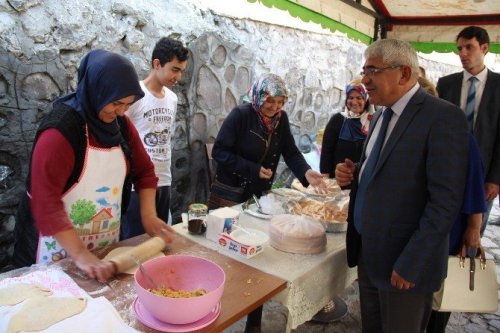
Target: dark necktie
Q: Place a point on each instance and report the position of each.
(370, 164)
(471, 102)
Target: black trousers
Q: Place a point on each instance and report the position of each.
(438, 321)
(391, 311)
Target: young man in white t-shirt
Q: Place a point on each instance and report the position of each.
(154, 117)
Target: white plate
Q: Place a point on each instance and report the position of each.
(253, 237)
(252, 210)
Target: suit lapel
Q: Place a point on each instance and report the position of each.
(456, 89)
(404, 120)
(489, 90)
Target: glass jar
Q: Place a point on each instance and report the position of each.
(197, 211)
(197, 218)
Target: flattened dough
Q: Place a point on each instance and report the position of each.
(19, 292)
(119, 250)
(39, 313)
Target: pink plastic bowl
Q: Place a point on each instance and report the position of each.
(180, 272)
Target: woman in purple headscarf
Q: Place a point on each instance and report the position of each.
(346, 131)
(81, 169)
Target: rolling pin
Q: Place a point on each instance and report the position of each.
(142, 252)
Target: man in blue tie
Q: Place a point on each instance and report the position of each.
(405, 192)
(476, 92)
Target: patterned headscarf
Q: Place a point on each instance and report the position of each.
(355, 126)
(267, 85)
(359, 87)
(103, 77)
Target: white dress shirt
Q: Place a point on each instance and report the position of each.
(480, 83)
(397, 109)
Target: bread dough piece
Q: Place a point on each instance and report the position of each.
(119, 250)
(39, 313)
(19, 292)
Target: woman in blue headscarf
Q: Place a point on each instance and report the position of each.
(81, 169)
(346, 131)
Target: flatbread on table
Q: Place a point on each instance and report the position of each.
(324, 211)
(40, 312)
(16, 293)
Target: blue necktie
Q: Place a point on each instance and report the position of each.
(370, 164)
(471, 102)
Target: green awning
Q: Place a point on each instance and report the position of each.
(429, 47)
(308, 15)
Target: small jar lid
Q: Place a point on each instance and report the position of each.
(198, 207)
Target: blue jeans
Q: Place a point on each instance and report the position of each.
(131, 223)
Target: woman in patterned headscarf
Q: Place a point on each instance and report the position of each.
(249, 145)
(346, 131)
(247, 151)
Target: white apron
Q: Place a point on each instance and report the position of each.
(93, 204)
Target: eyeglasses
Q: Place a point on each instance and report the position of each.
(371, 71)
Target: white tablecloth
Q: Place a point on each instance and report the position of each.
(313, 280)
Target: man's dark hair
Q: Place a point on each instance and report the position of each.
(473, 31)
(167, 48)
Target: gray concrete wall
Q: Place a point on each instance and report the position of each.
(42, 43)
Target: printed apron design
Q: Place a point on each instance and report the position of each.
(93, 204)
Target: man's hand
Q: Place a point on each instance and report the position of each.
(265, 173)
(491, 191)
(344, 172)
(399, 282)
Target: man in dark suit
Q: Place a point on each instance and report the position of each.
(484, 103)
(405, 192)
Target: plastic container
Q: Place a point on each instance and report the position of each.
(181, 272)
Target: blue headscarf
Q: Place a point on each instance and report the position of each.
(103, 77)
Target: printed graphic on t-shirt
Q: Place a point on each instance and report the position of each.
(157, 141)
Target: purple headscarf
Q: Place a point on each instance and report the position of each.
(359, 87)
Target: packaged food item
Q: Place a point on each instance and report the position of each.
(221, 220)
(297, 234)
(227, 242)
(332, 188)
(332, 212)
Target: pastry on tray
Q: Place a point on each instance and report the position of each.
(332, 188)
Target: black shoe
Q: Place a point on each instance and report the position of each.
(252, 329)
(335, 310)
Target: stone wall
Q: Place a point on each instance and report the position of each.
(42, 42)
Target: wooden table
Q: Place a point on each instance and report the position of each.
(312, 280)
(246, 288)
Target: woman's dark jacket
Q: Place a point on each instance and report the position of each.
(335, 150)
(241, 145)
